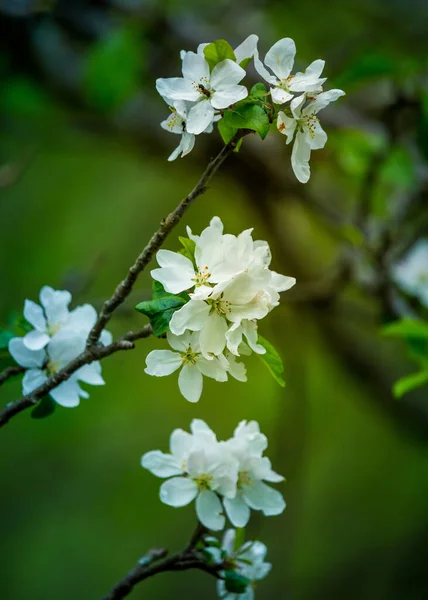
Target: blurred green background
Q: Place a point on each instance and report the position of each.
(84, 182)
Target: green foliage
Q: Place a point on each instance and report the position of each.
(161, 308)
(272, 360)
(409, 383)
(239, 537)
(113, 69)
(396, 175)
(235, 583)
(407, 328)
(367, 67)
(218, 51)
(188, 249)
(247, 115)
(226, 131)
(44, 408)
(258, 91)
(423, 125)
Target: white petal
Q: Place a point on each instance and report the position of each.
(190, 382)
(300, 158)
(280, 96)
(302, 82)
(213, 336)
(162, 362)
(67, 393)
(180, 443)
(25, 357)
(177, 88)
(180, 342)
(296, 106)
(262, 71)
(81, 319)
(160, 464)
(192, 315)
(32, 379)
(55, 303)
(187, 143)
(286, 126)
(319, 137)
(323, 100)
(247, 49)
(198, 427)
(210, 510)
(36, 340)
(167, 258)
(178, 491)
(226, 73)
(237, 511)
(237, 369)
(260, 496)
(281, 283)
(66, 345)
(176, 272)
(227, 96)
(34, 315)
(200, 117)
(212, 368)
(195, 67)
(280, 58)
(90, 374)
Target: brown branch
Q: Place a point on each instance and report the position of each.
(124, 288)
(11, 372)
(126, 342)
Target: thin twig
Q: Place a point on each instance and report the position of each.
(10, 372)
(124, 288)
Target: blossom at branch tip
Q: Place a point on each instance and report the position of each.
(222, 476)
(303, 126)
(280, 60)
(208, 91)
(411, 273)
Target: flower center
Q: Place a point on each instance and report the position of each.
(189, 357)
(204, 481)
(244, 479)
(219, 305)
(203, 87)
(175, 120)
(284, 83)
(201, 276)
(52, 367)
(310, 122)
(53, 328)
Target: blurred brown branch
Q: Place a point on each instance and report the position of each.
(10, 372)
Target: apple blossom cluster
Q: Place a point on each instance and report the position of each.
(58, 336)
(228, 287)
(211, 91)
(411, 274)
(221, 476)
(246, 560)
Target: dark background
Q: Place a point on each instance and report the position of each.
(84, 182)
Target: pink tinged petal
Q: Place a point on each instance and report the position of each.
(192, 315)
(90, 374)
(226, 74)
(36, 340)
(280, 96)
(160, 464)
(180, 443)
(300, 158)
(286, 126)
(200, 117)
(178, 491)
(260, 496)
(34, 314)
(32, 379)
(212, 338)
(210, 511)
(195, 68)
(247, 49)
(225, 97)
(212, 368)
(190, 382)
(24, 356)
(161, 363)
(319, 137)
(177, 88)
(237, 511)
(55, 303)
(280, 58)
(281, 283)
(67, 393)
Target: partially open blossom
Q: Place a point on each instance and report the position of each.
(411, 273)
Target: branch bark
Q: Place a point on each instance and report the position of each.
(10, 372)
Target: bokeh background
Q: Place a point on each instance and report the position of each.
(84, 181)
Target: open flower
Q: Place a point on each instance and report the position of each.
(305, 128)
(280, 60)
(209, 91)
(199, 469)
(193, 365)
(44, 362)
(411, 273)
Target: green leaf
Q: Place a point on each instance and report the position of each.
(258, 91)
(235, 583)
(218, 51)
(188, 248)
(5, 336)
(44, 408)
(406, 328)
(410, 382)
(161, 308)
(226, 131)
(248, 116)
(272, 360)
(113, 69)
(245, 62)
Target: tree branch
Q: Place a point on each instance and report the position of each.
(124, 288)
(10, 372)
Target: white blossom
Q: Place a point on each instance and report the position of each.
(305, 128)
(411, 273)
(245, 51)
(280, 60)
(208, 91)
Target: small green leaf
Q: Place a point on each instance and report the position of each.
(161, 308)
(218, 51)
(248, 116)
(410, 382)
(235, 583)
(406, 328)
(245, 62)
(258, 91)
(44, 408)
(188, 248)
(226, 131)
(239, 537)
(272, 360)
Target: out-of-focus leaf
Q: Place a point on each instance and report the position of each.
(235, 583)
(44, 408)
(22, 97)
(397, 174)
(188, 248)
(226, 131)
(365, 68)
(272, 360)
(407, 328)
(409, 383)
(23, 8)
(113, 69)
(218, 51)
(354, 149)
